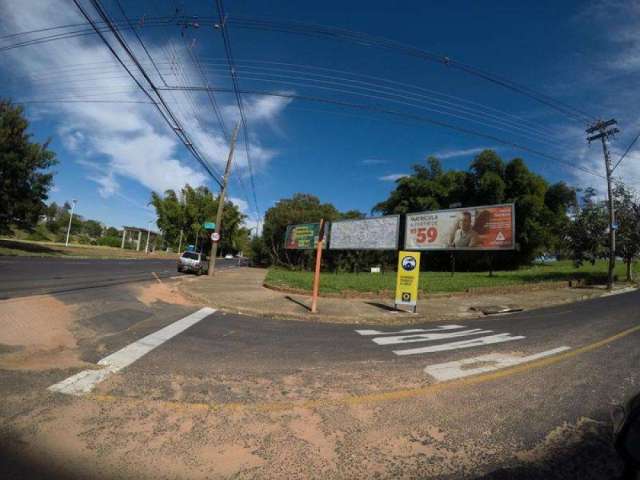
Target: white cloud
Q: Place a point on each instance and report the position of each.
(125, 140)
(392, 177)
(445, 154)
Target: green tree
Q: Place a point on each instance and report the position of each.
(112, 232)
(188, 212)
(540, 219)
(301, 208)
(627, 208)
(24, 165)
(93, 228)
(586, 235)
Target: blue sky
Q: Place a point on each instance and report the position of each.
(112, 155)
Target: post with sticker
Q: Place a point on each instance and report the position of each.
(407, 279)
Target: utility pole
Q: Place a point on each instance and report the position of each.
(146, 247)
(73, 206)
(604, 132)
(223, 191)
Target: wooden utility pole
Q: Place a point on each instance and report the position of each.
(604, 132)
(316, 275)
(223, 191)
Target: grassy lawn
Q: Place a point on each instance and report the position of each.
(443, 281)
(15, 247)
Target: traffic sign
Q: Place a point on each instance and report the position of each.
(209, 226)
(215, 236)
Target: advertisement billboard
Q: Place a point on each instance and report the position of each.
(303, 236)
(379, 233)
(490, 227)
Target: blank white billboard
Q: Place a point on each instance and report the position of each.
(379, 233)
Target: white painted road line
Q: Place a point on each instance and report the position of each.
(464, 368)
(410, 330)
(426, 337)
(476, 342)
(86, 380)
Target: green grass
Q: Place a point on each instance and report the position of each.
(434, 282)
(25, 248)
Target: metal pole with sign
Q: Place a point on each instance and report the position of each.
(407, 279)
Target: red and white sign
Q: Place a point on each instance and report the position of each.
(215, 236)
(476, 228)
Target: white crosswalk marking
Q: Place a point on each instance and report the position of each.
(476, 342)
(422, 337)
(410, 330)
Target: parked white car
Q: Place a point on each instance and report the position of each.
(194, 262)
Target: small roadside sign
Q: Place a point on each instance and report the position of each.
(209, 225)
(407, 279)
(215, 236)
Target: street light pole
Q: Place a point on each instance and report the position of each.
(223, 190)
(73, 206)
(146, 248)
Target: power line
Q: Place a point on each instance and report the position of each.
(626, 151)
(164, 110)
(394, 96)
(359, 38)
(135, 32)
(417, 118)
(236, 89)
(367, 40)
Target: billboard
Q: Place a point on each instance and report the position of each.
(490, 227)
(302, 237)
(379, 233)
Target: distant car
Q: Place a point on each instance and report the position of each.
(228, 256)
(544, 259)
(193, 262)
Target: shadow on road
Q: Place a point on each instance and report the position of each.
(592, 457)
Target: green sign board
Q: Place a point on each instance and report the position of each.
(209, 226)
(302, 237)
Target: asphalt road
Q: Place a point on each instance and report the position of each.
(236, 396)
(20, 276)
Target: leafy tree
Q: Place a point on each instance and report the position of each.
(93, 228)
(112, 232)
(188, 211)
(586, 235)
(24, 180)
(301, 208)
(627, 208)
(540, 219)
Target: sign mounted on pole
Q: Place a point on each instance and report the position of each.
(302, 237)
(489, 227)
(209, 225)
(215, 237)
(378, 233)
(407, 279)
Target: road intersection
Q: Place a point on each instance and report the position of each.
(155, 377)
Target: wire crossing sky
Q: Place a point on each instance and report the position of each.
(333, 100)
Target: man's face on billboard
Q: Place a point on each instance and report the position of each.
(466, 221)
